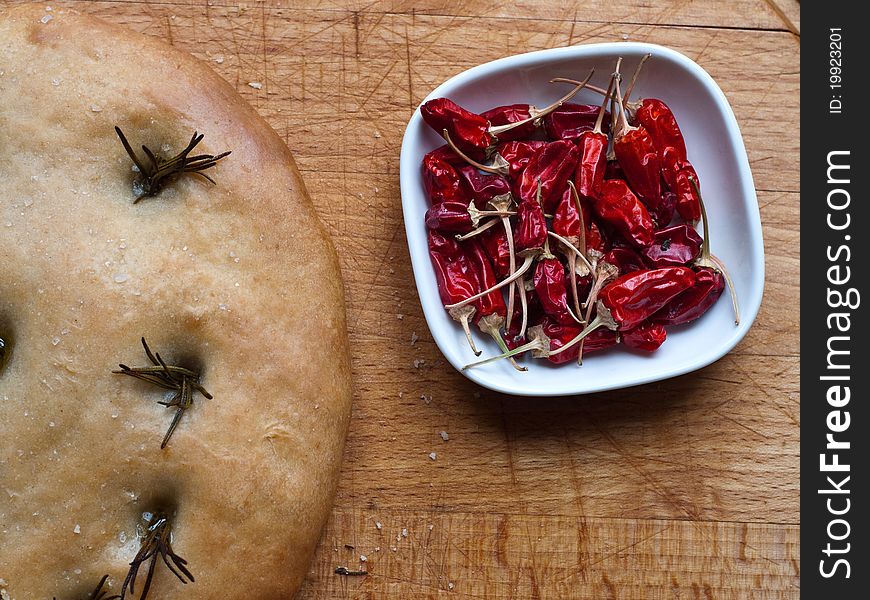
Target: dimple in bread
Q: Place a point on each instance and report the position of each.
(237, 281)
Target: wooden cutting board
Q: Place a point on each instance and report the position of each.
(681, 489)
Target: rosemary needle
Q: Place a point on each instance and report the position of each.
(183, 381)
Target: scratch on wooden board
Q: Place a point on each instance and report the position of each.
(739, 424)
(573, 571)
(573, 26)
(356, 34)
(710, 40)
(371, 286)
(773, 399)
(169, 30)
(408, 63)
(784, 17)
(265, 44)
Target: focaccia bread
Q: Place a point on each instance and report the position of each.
(235, 281)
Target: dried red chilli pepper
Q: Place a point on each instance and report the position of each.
(555, 335)
(637, 155)
(456, 280)
(570, 229)
(483, 187)
(673, 246)
(617, 206)
(447, 155)
(647, 336)
(566, 220)
(549, 280)
(527, 263)
(513, 113)
(516, 155)
(695, 301)
(442, 181)
(449, 217)
(663, 213)
(625, 260)
(495, 244)
(678, 175)
(570, 121)
(658, 119)
(553, 165)
(491, 309)
(471, 133)
(458, 217)
(593, 146)
(530, 233)
(677, 171)
(632, 299)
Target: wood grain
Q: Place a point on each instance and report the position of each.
(681, 489)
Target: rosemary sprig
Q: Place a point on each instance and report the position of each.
(100, 593)
(182, 381)
(156, 542)
(155, 171)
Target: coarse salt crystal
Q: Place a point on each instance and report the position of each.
(219, 59)
(46, 19)
(77, 529)
(120, 278)
(378, 525)
(256, 85)
(444, 435)
(404, 532)
(433, 455)
(363, 558)
(414, 337)
(96, 108)
(450, 585)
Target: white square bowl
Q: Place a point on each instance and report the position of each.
(716, 150)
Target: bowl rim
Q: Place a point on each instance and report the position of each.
(409, 163)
